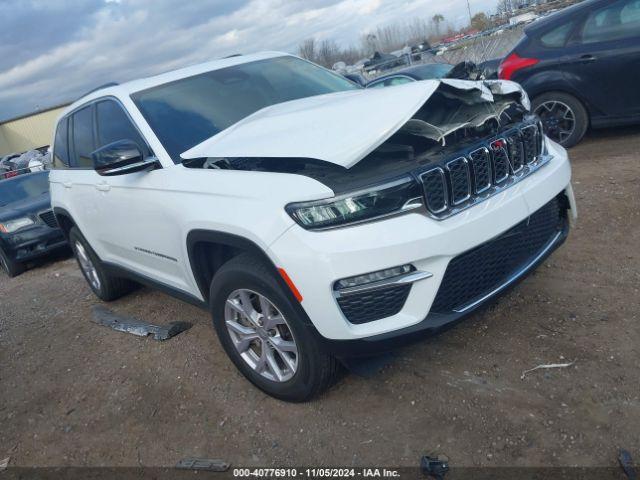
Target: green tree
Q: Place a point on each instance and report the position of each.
(437, 20)
(479, 21)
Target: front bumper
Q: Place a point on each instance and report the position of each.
(415, 239)
(32, 242)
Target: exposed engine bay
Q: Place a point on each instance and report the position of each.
(457, 115)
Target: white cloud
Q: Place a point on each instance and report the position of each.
(93, 42)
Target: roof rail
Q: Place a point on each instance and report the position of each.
(106, 85)
(233, 55)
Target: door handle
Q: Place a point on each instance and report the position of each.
(67, 184)
(588, 58)
(103, 187)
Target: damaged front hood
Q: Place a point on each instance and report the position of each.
(342, 128)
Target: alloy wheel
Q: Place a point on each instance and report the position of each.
(87, 266)
(558, 119)
(261, 335)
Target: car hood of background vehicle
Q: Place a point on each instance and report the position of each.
(341, 128)
(27, 207)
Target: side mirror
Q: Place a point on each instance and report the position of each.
(121, 157)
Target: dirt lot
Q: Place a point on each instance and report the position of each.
(75, 393)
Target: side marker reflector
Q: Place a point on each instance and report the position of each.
(290, 284)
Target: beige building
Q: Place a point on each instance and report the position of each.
(28, 131)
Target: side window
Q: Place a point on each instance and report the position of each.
(617, 21)
(61, 145)
(83, 142)
(557, 37)
(114, 125)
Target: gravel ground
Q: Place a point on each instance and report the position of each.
(77, 394)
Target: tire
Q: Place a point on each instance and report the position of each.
(540, 106)
(104, 285)
(316, 370)
(9, 266)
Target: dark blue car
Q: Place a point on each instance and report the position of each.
(581, 67)
(28, 228)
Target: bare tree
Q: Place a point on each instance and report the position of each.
(307, 49)
(328, 53)
(504, 6)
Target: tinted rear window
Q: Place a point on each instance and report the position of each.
(22, 187)
(186, 112)
(557, 37)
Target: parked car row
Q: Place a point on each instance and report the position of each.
(581, 67)
(28, 228)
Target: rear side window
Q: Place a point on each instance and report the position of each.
(114, 125)
(615, 22)
(557, 37)
(61, 145)
(83, 141)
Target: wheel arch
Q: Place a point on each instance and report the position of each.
(65, 220)
(208, 250)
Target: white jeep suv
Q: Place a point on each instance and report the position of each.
(314, 219)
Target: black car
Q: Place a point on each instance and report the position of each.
(28, 228)
(412, 74)
(581, 67)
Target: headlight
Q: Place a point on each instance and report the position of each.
(11, 226)
(364, 205)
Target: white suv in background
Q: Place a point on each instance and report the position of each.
(315, 220)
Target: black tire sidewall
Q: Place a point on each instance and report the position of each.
(301, 386)
(8, 266)
(76, 236)
(579, 112)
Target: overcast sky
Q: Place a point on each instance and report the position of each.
(51, 51)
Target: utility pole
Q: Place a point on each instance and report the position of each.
(469, 9)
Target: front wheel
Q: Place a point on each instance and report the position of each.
(9, 266)
(104, 285)
(564, 117)
(264, 335)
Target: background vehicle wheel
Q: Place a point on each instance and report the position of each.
(264, 335)
(105, 286)
(10, 267)
(564, 118)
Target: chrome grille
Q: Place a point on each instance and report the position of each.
(481, 163)
(530, 141)
(460, 179)
(516, 152)
(483, 171)
(435, 190)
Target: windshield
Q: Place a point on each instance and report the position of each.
(22, 187)
(186, 112)
(433, 70)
